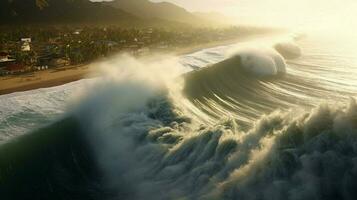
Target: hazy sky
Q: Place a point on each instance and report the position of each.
(307, 13)
(313, 14)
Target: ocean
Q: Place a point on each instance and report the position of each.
(272, 117)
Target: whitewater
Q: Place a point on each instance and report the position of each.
(272, 117)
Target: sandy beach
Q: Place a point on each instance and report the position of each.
(59, 76)
(43, 79)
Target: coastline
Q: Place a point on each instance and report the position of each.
(43, 79)
(60, 76)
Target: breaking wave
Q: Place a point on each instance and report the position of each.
(139, 144)
(144, 132)
(262, 62)
(158, 152)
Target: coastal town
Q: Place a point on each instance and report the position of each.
(24, 50)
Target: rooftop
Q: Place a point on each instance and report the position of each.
(6, 60)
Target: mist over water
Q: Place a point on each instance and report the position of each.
(268, 118)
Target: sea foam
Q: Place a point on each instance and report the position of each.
(262, 62)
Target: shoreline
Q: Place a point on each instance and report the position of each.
(43, 79)
(59, 76)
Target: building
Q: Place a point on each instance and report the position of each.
(6, 63)
(4, 56)
(28, 40)
(26, 44)
(15, 68)
(5, 60)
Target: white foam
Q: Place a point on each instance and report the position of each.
(262, 62)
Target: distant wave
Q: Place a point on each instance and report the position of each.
(288, 49)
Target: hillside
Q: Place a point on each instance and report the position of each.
(60, 11)
(119, 12)
(145, 9)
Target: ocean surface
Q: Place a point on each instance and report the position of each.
(271, 117)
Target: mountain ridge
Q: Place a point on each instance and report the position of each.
(164, 10)
(128, 12)
(60, 11)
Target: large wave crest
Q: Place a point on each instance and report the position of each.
(149, 147)
(158, 152)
